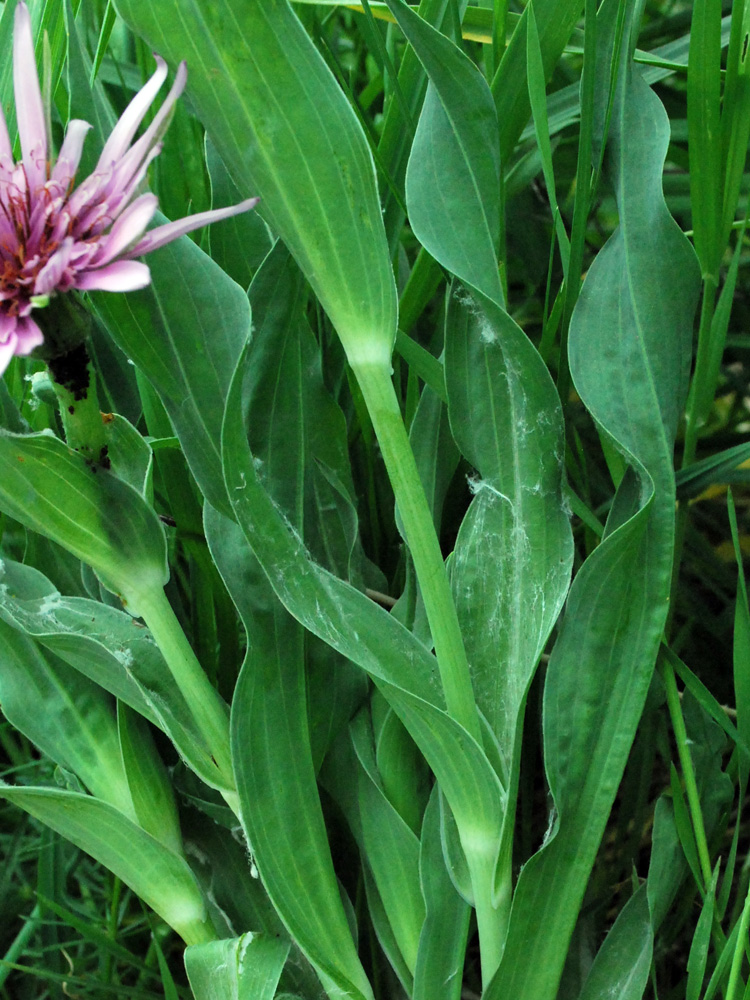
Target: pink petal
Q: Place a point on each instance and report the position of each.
(126, 230)
(28, 336)
(88, 191)
(29, 107)
(49, 277)
(6, 150)
(132, 117)
(7, 350)
(7, 327)
(122, 276)
(121, 199)
(171, 230)
(70, 153)
(132, 160)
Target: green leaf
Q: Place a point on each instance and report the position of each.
(100, 519)
(555, 21)
(243, 968)
(684, 827)
(272, 752)
(108, 647)
(238, 244)
(276, 785)
(364, 633)
(735, 119)
(185, 332)
(442, 943)
(621, 967)
(403, 772)
(89, 931)
(77, 728)
(434, 450)
(629, 356)
(537, 98)
(305, 154)
(161, 878)
(513, 556)
(741, 645)
(167, 982)
(149, 783)
(130, 456)
(698, 957)
(704, 133)
(453, 178)
(384, 931)
(721, 467)
(667, 866)
(10, 415)
(390, 848)
(510, 570)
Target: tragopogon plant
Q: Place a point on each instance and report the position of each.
(351, 635)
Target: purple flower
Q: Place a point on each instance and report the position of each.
(55, 236)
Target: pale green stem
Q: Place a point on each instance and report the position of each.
(208, 709)
(492, 919)
(379, 395)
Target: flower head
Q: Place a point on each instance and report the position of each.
(55, 236)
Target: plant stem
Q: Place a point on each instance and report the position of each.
(209, 711)
(739, 952)
(19, 944)
(686, 763)
(492, 920)
(380, 397)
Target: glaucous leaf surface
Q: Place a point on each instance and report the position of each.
(510, 569)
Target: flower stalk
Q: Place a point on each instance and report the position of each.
(206, 705)
(380, 397)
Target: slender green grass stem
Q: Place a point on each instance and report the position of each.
(735, 982)
(20, 943)
(686, 763)
(693, 418)
(699, 388)
(380, 397)
(206, 705)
